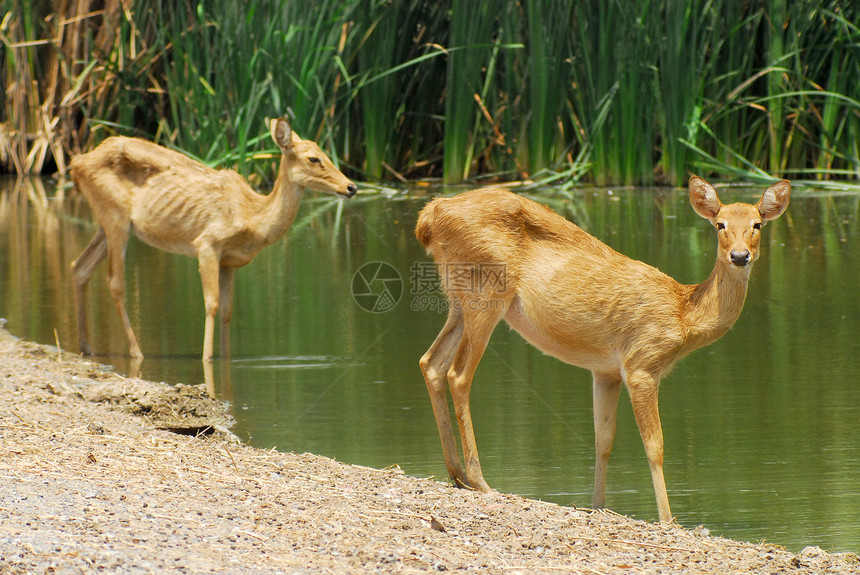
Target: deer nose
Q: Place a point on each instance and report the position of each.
(740, 258)
(351, 190)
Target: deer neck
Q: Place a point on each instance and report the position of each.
(282, 206)
(714, 305)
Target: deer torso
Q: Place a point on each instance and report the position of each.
(575, 298)
(179, 205)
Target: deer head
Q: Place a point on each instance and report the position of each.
(307, 164)
(738, 225)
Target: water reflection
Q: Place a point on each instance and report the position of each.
(761, 427)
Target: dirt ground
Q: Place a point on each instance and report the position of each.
(100, 476)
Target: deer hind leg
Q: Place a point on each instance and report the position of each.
(643, 394)
(225, 307)
(606, 391)
(435, 365)
(117, 240)
(82, 271)
(477, 329)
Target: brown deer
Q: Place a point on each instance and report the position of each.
(577, 299)
(179, 205)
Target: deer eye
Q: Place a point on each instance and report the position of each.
(721, 226)
(757, 226)
(314, 160)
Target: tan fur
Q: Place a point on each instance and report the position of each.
(577, 299)
(179, 205)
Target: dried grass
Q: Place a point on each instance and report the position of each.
(63, 61)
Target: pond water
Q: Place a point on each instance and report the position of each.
(762, 428)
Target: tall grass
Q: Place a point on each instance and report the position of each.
(615, 92)
(548, 81)
(470, 39)
(776, 104)
(683, 64)
(394, 67)
(37, 89)
(613, 83)
(228, 68)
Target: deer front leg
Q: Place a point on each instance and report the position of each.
(225, 288)
(606, 391)
(82, 271)
(116, 282)
(643, 389)
(434, 365)
(209, 267)
(476, 334)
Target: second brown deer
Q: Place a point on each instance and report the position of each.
(179, 205)
(577, 299)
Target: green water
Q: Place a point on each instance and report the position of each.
(762, 428)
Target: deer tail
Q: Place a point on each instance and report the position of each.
(425, 220)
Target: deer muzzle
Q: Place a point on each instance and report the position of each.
(740, 258)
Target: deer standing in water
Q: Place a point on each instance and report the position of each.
(577, 299)
(179, 205)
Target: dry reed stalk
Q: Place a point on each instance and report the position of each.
(52, 78)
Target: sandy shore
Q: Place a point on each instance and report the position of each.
(94, 481)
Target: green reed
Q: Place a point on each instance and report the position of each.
(394, 68)
(686, 34)
(615, 92)
(470, 39)
(230, 68)
(785, 109)
(548, 80)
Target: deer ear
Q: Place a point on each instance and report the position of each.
(704, 199)
(774, 201)
(281, 133)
